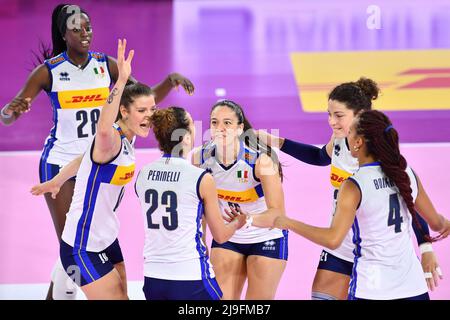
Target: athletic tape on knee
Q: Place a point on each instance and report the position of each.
(63, 286)
(321, 296)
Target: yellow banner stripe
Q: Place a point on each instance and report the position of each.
(338, 176)
(77, 99)
(249, 195)
(123, 175)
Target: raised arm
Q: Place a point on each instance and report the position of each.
(220, 232)
(349, 197)
(162, 89)
(38, 79)
(107, 140)
(304, 152)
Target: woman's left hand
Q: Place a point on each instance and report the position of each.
(233, 213)
(124, 65)
(431, 269)
(177, 79)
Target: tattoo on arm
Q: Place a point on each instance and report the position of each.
(113, 93)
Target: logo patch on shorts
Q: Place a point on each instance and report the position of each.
(269, 245)
(103, 257)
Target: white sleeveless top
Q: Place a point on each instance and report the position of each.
(77, 96)
(237, 185)
(385, 264)
(168, 190)
(92, 223)
(343, 165)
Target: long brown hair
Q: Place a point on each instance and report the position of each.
(249, 137)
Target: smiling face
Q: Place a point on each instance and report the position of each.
(225, 127)
(339, 118)
(137, 116)
(78, 37)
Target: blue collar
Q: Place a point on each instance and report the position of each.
(371, 164)
(168, 155)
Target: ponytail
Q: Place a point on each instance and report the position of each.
(61, 13)
(382, 142)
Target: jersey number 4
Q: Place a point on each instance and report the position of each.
(168, 199)
(394, 217)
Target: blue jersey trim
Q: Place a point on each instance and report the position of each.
(357, 184)
(50, 78)
(68, 60)
(357, 253)
(51, 65)
(199, 180)
(259, 190)
(371, 164)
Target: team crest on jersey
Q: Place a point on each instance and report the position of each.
(242, 176)
(64, 76)
(337, 150)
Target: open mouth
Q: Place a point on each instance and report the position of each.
(145, 125)
(85, 43)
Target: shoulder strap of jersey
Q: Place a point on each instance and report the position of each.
(119, 129)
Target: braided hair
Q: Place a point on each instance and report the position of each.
(382, 143)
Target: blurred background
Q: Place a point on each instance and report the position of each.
(277, 58)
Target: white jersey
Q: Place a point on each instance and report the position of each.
(77, 96)
(385, 265)
(343, 165)
(92, 223)
(168, 190)
(238, 186)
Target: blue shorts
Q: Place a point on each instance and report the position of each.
(275, 248)
(335, 264)
(423, 296)
(161, 289)
(85, 267)
(48, 170)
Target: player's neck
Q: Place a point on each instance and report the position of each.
(227, 154)
(363, 159)
(77, 58)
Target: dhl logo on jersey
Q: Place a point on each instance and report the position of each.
(249, 195)
(77, 99)
(338, 176)
(123, 175)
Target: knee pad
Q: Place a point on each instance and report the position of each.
(63, 286)
(321, 296)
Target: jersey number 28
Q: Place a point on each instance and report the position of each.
(83, 116)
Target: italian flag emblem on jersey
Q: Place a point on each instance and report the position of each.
(99, 70)
(242, 174)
